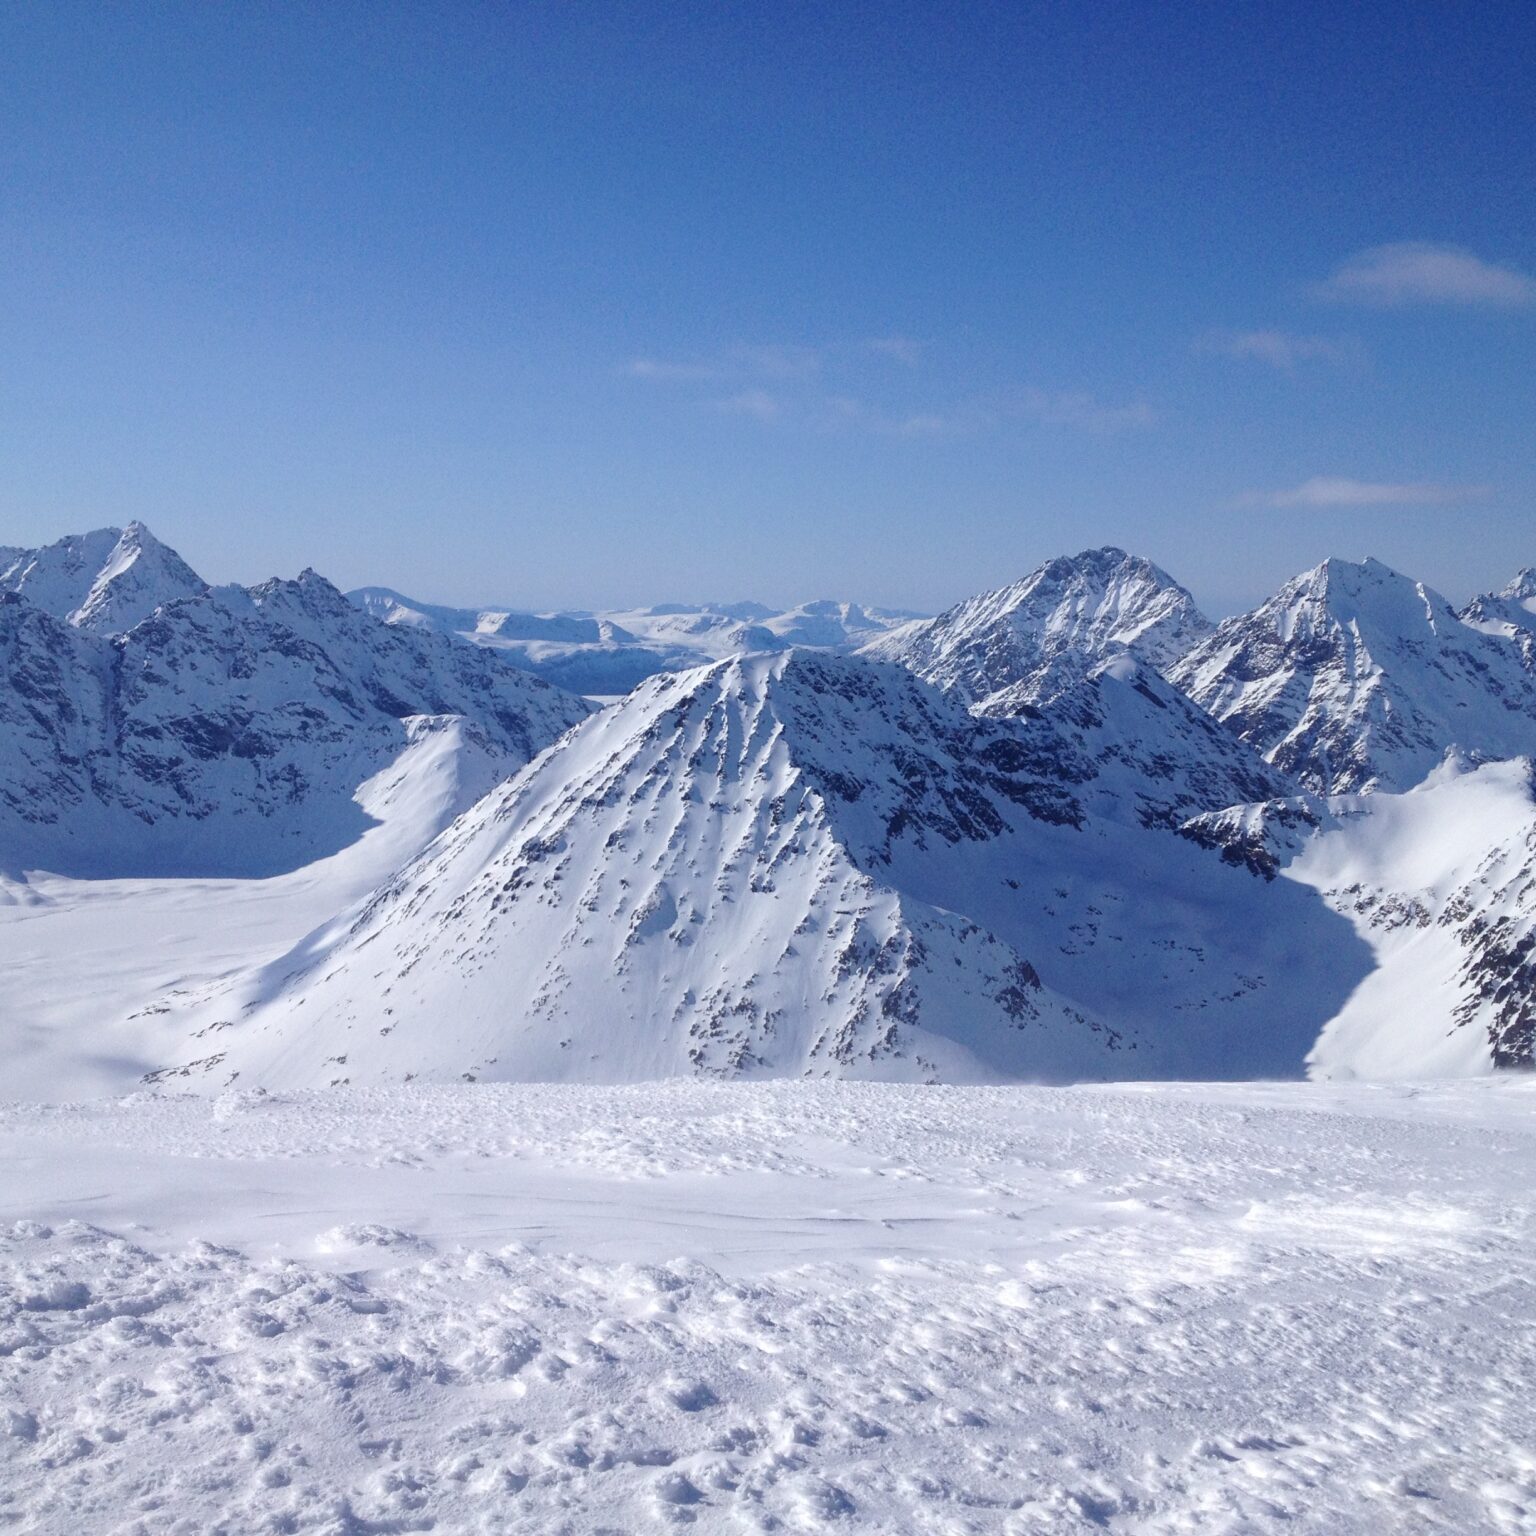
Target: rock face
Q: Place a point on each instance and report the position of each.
(1353, 677)
(609, 653)
(1135, 749)
(1044, 633)
(227, 731)
(787, 865)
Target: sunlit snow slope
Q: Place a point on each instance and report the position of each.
(94, 968)
(784, 865)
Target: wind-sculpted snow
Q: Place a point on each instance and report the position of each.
(228, 732)
(1046, 632)
(1353, 677)
(787, 865)
(800, 1307)
(611, 652)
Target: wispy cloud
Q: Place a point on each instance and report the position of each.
(1339, 491)
(845, 411)
(900, 349)
(1281, 349)
(742, 362)
(669, 372)
(796, 383)
(1422, 272)
(757, 403)
(776, 361)
(1072, 408)
(1078, 411)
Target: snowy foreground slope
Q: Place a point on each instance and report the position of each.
(777, 1307)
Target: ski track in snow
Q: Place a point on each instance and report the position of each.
(772, 1307)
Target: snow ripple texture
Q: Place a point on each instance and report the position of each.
(772, 1307)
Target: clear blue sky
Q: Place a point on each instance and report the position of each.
(570, 304)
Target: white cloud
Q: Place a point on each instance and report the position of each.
(777, 361)
(1422, 272)
(1338, 491)
(757, 403)
(740, 362)
(951, 421)
(1075, 409)
(1064, 409)
(784, 381)
(670, 373)
(900, 349)
(1282, 350)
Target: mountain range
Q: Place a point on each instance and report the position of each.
(151, 724)
(608, 653)
(1067, 829)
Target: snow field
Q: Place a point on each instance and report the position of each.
(771, 1307)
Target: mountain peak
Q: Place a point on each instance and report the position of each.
(1105, 557)
(730, 872)
(1040, 635)
(227, 732)
(307, 593)
(1349, 575)
(140, 575)
(105, 581)
(1355, 676)
(1523, 587)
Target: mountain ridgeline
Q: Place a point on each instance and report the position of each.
(155, 725)
(1067, 829)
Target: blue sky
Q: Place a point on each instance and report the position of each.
(602, 304)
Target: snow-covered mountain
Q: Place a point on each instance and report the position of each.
(1510, 612)
(791, 864)
(1044, 633)
(1354, 677)
(1112, 842)
(1135, 749)
(227, 731)
(105, 581)
(607, 653)
(1440, 882)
